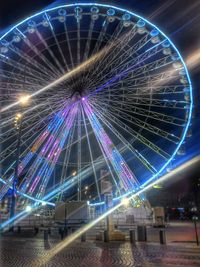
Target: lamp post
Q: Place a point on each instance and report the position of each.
(23, 101)
(195, 219)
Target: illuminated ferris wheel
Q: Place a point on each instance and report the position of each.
(96, 93)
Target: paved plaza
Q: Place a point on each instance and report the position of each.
(24, 252)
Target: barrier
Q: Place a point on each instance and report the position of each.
(46, 236)
(106, 236)
(132, 237)
(162, 236)
(142, 233)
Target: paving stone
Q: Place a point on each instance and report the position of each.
(16, 252)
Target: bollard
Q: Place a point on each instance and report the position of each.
(132, 237)
(61, 234)
(49, 231)
(46, 235)
(36, 230)
(106, 236)
(83, 237)
(19, 229)
(59, 230)
(65, 231)
(162, 237)
(142, 233)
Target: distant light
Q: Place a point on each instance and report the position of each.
(73, 173)
(28, 208)
(125, 201)
(44, 203)
(86, 188)
(24, 99)
(194, 209)
(83, 98)
(18, 116)
(157, 186)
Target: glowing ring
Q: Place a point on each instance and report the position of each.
(171, 43)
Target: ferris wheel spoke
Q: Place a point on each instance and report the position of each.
(28, 60)
(91, 157)
(139, 71)
(20, 78)
(68, 44)
(78, 42)
(151, 102)
(27, 121)
(32, 72)
(27, 132)
(59, 47)
(126, 144)
(144, 125)
(109, 43)
(66, 158)
(119, 89)
(117, 58)
(164, 104)
(104, 157)
(52, 152)
(127, 72)
(125, 175)
(147, 113)
(153, 79)
(79, 159)
(136, 135)
(27, 150)
(116, 33)
(59, 69)
(100, 37)
(89, 38)
(111, 49)
(56, 104)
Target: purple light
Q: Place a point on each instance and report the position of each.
(83, 98)
(121, 168)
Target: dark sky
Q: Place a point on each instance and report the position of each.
(179, 19)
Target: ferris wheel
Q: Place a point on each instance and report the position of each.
(96, 93)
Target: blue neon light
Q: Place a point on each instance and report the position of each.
(142, 23)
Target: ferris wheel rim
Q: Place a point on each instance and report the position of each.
(163, 34)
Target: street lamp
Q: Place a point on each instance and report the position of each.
(125, 201)
(195, 219)
(23, 101)
(28, 208)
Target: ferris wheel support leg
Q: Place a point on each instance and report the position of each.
(15, 180)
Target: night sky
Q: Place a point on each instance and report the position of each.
(179, 19)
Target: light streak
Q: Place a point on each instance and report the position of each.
(59, 247)
(124, 173)
(193, 60)
(20, 216)
(162, 8)
(67, 75)
(139, 17)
